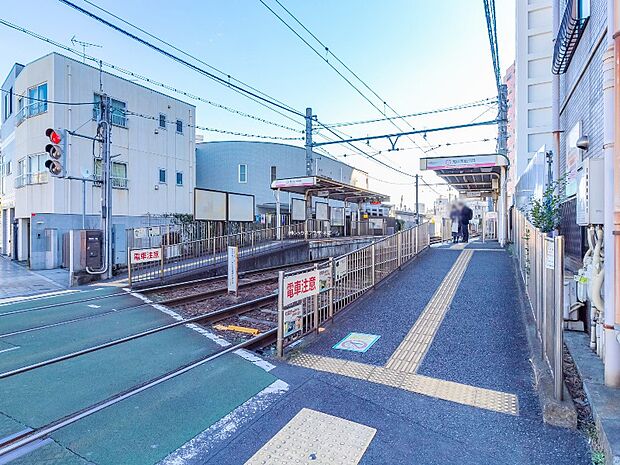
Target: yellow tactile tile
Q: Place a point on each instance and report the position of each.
(316, 438)
(465, 394)
(410, 353)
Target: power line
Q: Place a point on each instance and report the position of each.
(152, 81)
(205, 128)
(477, 103)
(180, 60)
(348, 81)
(53, 102)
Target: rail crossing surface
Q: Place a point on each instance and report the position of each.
(431, 367)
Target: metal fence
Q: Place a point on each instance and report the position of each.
(183, 248)
(309, 297)
(541, 262)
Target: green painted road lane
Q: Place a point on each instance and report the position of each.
(64, 298)
(48, 343)
(51, 454)
(145, 428)
(9, 426)
(41, 396)
(68, 311)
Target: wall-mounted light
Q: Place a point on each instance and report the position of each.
(583, 143)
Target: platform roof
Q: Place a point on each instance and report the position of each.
(472, 174)
(319, 186)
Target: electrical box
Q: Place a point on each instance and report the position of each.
(590, 192)
(92, 248)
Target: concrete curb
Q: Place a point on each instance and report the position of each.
(556, 413)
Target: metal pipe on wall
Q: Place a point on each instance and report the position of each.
(611, 108)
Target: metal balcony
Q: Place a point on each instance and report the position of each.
(573, 24)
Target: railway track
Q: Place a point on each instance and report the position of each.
(166, 294)
(14, 445)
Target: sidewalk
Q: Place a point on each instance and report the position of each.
(448, 381)
(17, 281)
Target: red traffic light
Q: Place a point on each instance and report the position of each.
(54, 137)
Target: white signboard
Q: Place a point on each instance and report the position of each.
(145, 255)
(325, 279)
(154, 231)
(233, 269)
(491, 215)
(240, 207)
(209, 205)
(298, 210)
(340, 268)
(308, 181)
(442, 163)
(550, 255)
(293, 320)
(300, 286)
(337, 216)
(322, 211)
(140, 233)
(375, 223)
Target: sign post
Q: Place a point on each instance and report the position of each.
(233, 269)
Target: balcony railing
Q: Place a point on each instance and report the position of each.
(117, 181)
(571, 29)
(31, 178)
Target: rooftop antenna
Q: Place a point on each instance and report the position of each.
(84, 45)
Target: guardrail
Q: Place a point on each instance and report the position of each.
(168, 259)
(541, 262)
(309, 297)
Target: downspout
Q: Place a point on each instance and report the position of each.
(611, 102)
(555, 99)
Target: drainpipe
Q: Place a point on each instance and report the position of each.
(611, 107)
(555, 99)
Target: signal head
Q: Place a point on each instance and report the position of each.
(54, 167)
(53, 136)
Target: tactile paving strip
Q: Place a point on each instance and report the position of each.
(315, 438)
(465, 394)
(410, 353)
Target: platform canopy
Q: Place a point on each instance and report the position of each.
(469, 174)
(319, 186)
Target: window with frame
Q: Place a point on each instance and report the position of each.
(8, 104)
(118, 174)
(37, 172)
(162, 176)
(119, 115)
(162, 121)
(274, 174)
(180, 126)
(37, 99)
(179, 178)
(243, 173)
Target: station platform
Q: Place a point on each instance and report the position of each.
(448, 380)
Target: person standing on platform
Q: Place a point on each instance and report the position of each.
(466, 215)
(456, 223)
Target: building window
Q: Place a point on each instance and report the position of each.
(8, 104)
(162, 176)
(180, 126)
(118, 175)
(179, 178)
(274, 175)
(119, 115)
(37, 172)
(37, 100)
(20, 179)
(162, 121)
(243, 173)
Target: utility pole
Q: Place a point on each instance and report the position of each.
(106, 187)
(309, 142)
(417, 203)
(502, 149)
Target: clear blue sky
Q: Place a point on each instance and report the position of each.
(416, 54)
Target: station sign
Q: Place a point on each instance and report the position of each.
(299, 286)
(145, 255)
(307, 181)
(446, 163)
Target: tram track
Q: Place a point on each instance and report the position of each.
(21, 441)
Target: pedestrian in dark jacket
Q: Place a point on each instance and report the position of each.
(466, 215)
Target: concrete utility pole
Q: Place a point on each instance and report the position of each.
(417, 200)
(502, 148)
(309, 142)
(106, 187)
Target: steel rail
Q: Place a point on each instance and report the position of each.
(217, 314)
(25, 439)
(153, 289)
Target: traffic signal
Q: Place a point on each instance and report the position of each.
(56, 151)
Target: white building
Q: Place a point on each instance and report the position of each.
(533, 91)
(153, 166)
